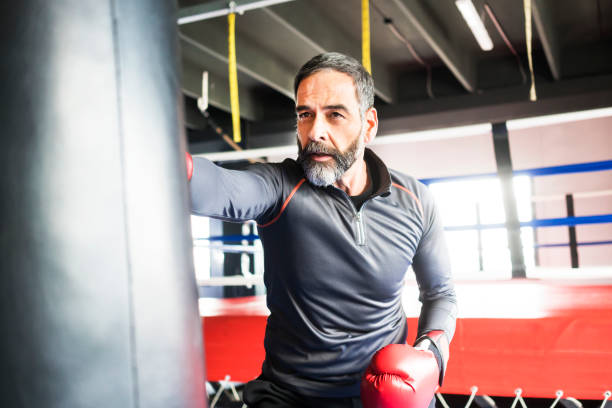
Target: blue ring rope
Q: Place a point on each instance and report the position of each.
(548, 222)
(587, 243)
(541, 171)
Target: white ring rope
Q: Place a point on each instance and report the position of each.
(581, 194)
(473, 390)
(234, 249)
(442, 400)
(518, 398)
(227, 384)
(223, 385)
(558, 394)
(231, 281)
(607, 396)
(580, 274)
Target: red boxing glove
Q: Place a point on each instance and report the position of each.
(400, 376)
(189, 163)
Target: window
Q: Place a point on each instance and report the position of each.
(469, 203)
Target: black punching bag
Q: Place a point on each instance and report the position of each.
(98, 301)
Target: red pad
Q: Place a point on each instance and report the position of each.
(538, 335)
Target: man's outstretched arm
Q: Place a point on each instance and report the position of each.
(233, 195)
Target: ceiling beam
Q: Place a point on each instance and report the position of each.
(460, 63)
(543, 20)
(316, 31)
(220, 8)
(498, 105)
(467, 115)
(252, 60)
(490, 107)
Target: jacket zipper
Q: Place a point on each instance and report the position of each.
(360, 228)
(361, 238)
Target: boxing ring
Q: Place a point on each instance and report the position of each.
(539, 335)
(99, 293)
(548, 336)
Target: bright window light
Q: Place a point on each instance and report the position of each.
(471, 202)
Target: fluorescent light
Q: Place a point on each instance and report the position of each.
(471, 17)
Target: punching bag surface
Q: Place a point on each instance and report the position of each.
(98, 301)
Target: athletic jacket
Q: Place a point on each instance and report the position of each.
(334, 275)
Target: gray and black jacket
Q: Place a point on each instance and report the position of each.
(334, 274)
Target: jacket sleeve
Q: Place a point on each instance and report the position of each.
(235, 195)
(431, 265)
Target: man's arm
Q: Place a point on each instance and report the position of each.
(431, 265)
(401, 375)
(234, 195)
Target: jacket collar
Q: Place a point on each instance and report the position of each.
(379, 173)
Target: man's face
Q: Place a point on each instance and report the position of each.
(330, 131)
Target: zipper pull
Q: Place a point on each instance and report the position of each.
(360, 229)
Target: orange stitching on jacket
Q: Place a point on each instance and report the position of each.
(411, 195)
(284, 204)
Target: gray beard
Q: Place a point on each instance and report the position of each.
(327, 173)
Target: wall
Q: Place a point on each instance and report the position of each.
(569, 143)
(542, 146)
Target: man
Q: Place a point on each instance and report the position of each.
(339, 231)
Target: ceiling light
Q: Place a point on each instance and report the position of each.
(471, 17)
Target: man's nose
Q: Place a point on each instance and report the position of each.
(319, 130)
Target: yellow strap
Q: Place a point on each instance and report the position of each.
(365, 35)
(527, 6)
(233, 77)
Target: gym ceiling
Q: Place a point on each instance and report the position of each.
(428, 68)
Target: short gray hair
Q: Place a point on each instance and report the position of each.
(364, 85)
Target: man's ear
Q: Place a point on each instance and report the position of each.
(371, 124)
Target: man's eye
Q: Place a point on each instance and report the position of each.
(336, 115)
(303, 115)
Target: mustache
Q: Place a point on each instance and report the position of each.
(318, 148)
